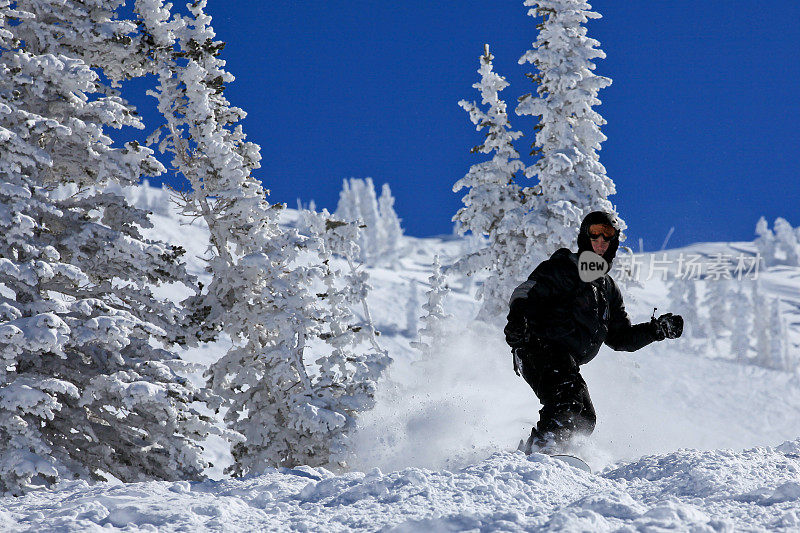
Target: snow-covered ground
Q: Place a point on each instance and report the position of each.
(687, 438)
(685, 490)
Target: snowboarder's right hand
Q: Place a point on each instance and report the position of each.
(667, 326)
(516, 332)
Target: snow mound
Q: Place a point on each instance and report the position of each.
(686, 490)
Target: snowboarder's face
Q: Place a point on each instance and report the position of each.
(600, 235)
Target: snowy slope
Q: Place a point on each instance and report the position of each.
(444, 430)
(681, 491)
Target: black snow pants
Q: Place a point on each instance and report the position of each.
(566, 406)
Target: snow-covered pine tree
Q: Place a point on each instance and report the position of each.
(340, 238)
(391, 230)
(256, 295)
(786, 241)
(353, 363)
(412, 308)
(742, 311)
(153, 199)
(348, 206)
(766, 242)
(682, 295)
(571, 180)
(371, 218)
(760, 331)
(260, 294)
(468, 245)
(717, 302)
(91, 30)
(692, 316)
(778, 354)
(83, 391)
(143, 198)
(380, 231)
(432, 333)
(494, 203)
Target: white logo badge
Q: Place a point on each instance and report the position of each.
(591, 266)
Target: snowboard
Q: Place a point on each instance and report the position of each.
(571, 460)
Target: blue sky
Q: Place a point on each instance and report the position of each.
(703, 115)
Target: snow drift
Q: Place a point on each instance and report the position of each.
(685, 490)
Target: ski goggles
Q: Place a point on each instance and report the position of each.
(596, 231)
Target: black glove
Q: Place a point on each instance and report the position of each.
(667, 326)
(516, 332)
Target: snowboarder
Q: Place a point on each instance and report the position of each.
(558, 322)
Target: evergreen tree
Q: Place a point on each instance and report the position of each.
(760, 331)
(717, 301)
(261, 291)
(432, 333)
(742, 312)
(349, 200)
(84, 392)
(494, 203)
(682, 295)
(777, 338)
(571, 180)
(153, 199)
(412, 308)
(373, 231)
(787, 241)
(379, 227)
(391, 230)
(766, 242)
(346, 383)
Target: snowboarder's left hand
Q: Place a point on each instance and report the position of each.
(667, 326)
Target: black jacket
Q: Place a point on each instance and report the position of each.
(571, 316)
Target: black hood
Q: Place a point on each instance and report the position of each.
(599, 217)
